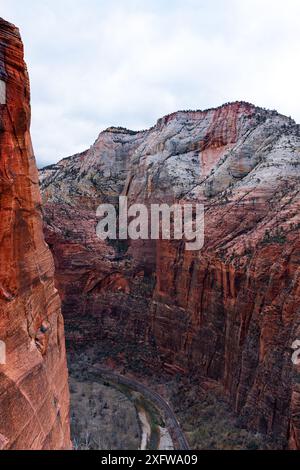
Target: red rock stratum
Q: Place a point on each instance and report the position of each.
(34, 395)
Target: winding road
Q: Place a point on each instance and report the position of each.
(172, 423)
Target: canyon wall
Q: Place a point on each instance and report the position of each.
(34, 395)
(229, 312)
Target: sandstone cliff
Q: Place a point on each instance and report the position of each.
(230, 312)
(34, 396)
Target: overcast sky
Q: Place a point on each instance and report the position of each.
(97, 63)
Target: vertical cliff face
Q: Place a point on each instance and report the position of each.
(229, 312)
(34, 396)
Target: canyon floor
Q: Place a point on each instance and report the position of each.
(106, 415)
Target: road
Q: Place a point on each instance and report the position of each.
(173, 425)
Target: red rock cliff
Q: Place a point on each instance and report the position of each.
(34, 396)
(229, 312)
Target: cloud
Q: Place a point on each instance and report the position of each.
(98, 63)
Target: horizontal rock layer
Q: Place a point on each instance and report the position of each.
(229, 312)
(34, 396)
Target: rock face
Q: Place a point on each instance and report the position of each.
(229, 312)
(34, 396)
